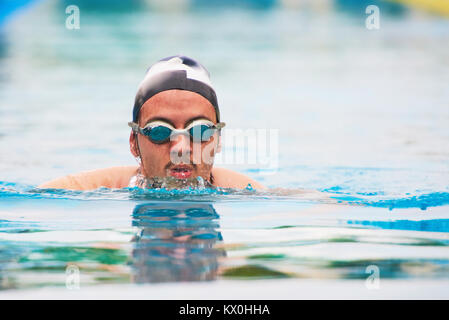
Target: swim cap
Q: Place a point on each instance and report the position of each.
(175, 72)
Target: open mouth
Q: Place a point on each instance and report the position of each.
(181, 171)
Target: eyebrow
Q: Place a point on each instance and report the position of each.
(160, 119)
(171, 123)
(196, 118)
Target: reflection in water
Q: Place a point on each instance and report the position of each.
(119, 6)
(436, 225)
(251, 4)
(176, 242)
(105, 7)
(3, 46)
(357, 7)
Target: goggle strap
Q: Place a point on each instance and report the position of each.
(134, 126)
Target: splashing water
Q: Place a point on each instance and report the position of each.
(182, 189)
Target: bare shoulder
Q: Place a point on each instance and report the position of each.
(113, 177)
(226, 178)
(119, 177)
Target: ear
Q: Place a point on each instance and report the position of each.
(133, 144)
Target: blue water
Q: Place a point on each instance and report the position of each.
(362, 171)
(155, 236)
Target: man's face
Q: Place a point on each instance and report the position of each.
(178, 108)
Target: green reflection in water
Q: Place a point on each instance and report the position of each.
(267, 256)
(253, 271)
(77, 254)
(46, 265)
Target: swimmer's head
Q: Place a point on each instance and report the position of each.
(176, 98)
(175, 72)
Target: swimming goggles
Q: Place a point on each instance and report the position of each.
(160, 132)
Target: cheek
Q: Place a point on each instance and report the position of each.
(207, 154)
(153, 153)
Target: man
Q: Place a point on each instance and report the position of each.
(175, 135)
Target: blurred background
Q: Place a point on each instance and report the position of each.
(358, 110)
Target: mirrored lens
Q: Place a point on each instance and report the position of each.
(159, 133)
(201, 132)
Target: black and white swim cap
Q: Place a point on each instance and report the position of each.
(175, 72)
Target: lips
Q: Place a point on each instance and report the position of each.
(181, 171)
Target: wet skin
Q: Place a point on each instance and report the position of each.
(178, 108)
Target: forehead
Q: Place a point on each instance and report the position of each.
(178, 106)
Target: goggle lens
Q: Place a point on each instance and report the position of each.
(201, 132)
(158, 134)
(161, 134)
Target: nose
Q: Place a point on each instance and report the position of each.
(180, 147)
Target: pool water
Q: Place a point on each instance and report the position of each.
(136, 236)
(359, 193)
